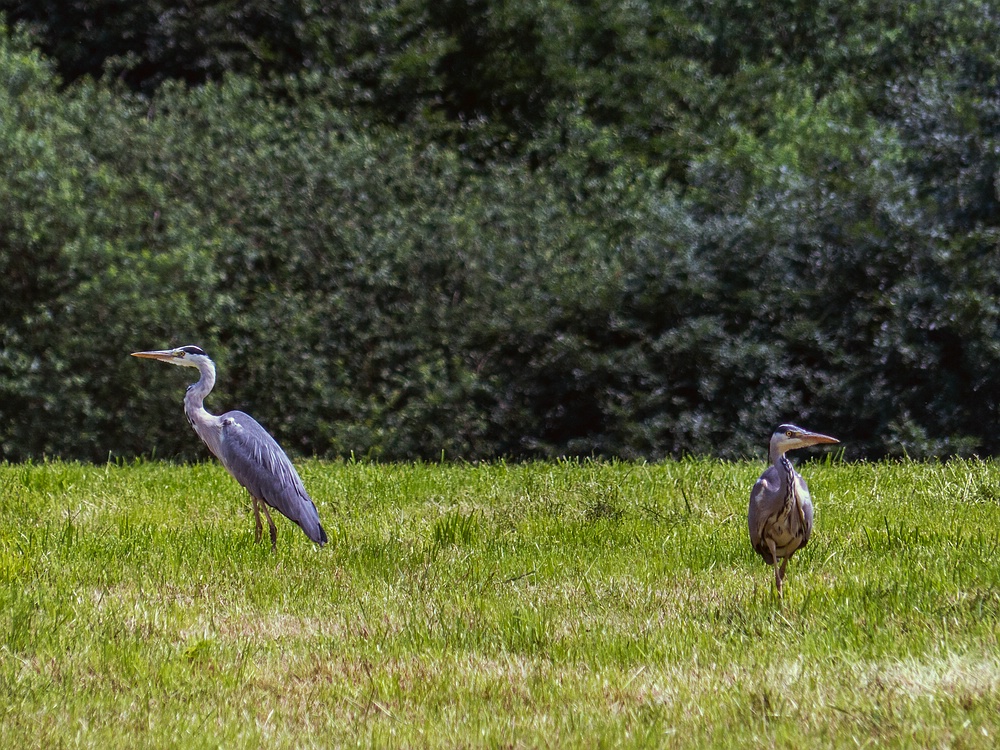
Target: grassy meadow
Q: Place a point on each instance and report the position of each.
(541, 605)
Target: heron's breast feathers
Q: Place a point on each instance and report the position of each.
(778, 512)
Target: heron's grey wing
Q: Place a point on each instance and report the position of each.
(765, 501)
(257, 462)
(805, 500)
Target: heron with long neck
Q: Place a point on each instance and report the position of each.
(246, 449)
(781, 511)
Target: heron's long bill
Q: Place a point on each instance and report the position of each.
(815, 438)
(164, 355)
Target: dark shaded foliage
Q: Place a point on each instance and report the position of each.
(528, 229)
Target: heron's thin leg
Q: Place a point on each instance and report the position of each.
(784, 563)
(778, 574)
(256, 512)
(272, 528)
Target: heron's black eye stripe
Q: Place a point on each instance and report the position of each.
(192, 350)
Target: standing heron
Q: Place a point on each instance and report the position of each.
(252, 456)
(781, 511)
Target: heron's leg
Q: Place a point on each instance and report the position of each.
(784, 563)
(271, 527)
(256, 512)
(778, 574)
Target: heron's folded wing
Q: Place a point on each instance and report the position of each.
(805, 503)
(763, 500)
(257, 462)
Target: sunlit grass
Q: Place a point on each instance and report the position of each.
(553, 604)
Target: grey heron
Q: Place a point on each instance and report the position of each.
(245, 448)
(781, 511)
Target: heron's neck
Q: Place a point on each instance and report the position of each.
(194, 399)
(205, 424)
(774, 454)
(777, 457)
(786, 473)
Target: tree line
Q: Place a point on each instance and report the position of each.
(408, 229)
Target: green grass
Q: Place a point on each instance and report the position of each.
(556, 604)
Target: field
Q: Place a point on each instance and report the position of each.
(570, 604)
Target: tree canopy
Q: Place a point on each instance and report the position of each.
(406, 228)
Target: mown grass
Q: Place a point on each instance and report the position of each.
(554, 604)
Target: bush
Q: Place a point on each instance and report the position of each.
(576, 277)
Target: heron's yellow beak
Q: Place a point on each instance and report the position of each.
(164, 355)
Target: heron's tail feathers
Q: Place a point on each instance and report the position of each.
(311, 526)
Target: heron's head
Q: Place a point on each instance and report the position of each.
(185, 356)
(788, 437)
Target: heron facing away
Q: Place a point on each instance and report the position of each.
(252, 456)
(781, 511)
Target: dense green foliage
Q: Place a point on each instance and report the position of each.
(522, 229)
(562, 604)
